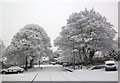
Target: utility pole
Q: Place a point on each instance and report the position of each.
(39, 61)
(73, 57)
(73, 53)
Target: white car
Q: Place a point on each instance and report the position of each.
(53, 63)
(3, 71)
(110, 65)
(13, 69)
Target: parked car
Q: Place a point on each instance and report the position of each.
(13, 69)
(98, 61)
(53, 63)
(66, 64)
(110, 65)
(3, 71)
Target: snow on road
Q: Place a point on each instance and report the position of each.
(55, 73)
(58, 73)
(0, 78)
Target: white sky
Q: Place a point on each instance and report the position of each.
(49, 14)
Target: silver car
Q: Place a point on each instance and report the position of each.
(13, 69)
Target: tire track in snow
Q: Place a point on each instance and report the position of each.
(34, 78)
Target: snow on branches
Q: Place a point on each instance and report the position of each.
(86, 30)
(31, 42)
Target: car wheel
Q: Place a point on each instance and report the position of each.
(106, 70)
(3, 72)
(115, 69)
(18, 72)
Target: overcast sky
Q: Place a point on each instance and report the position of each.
(49, 14)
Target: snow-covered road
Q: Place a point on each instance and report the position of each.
(58, 73)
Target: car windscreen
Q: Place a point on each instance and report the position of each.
(110, 64)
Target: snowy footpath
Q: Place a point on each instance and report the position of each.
(58, 73)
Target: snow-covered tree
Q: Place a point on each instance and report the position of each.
(118, 48)
(2, 47)
(87, 31)
(28, 44)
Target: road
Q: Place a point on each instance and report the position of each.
(58, 73)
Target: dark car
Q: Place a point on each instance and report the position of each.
(66, 64)
(13, 69)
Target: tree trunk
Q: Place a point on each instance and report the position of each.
(80, 58)
(31, 63)
(26, 64)
(39, 63)
(91, 56)
(85, 55)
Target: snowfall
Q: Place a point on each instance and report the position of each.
(58, 73)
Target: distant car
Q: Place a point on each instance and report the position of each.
(98, 61)
(53, 63)
(13, 69)
(66, 64)
(110, 65)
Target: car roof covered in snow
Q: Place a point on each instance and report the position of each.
(109, 62)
